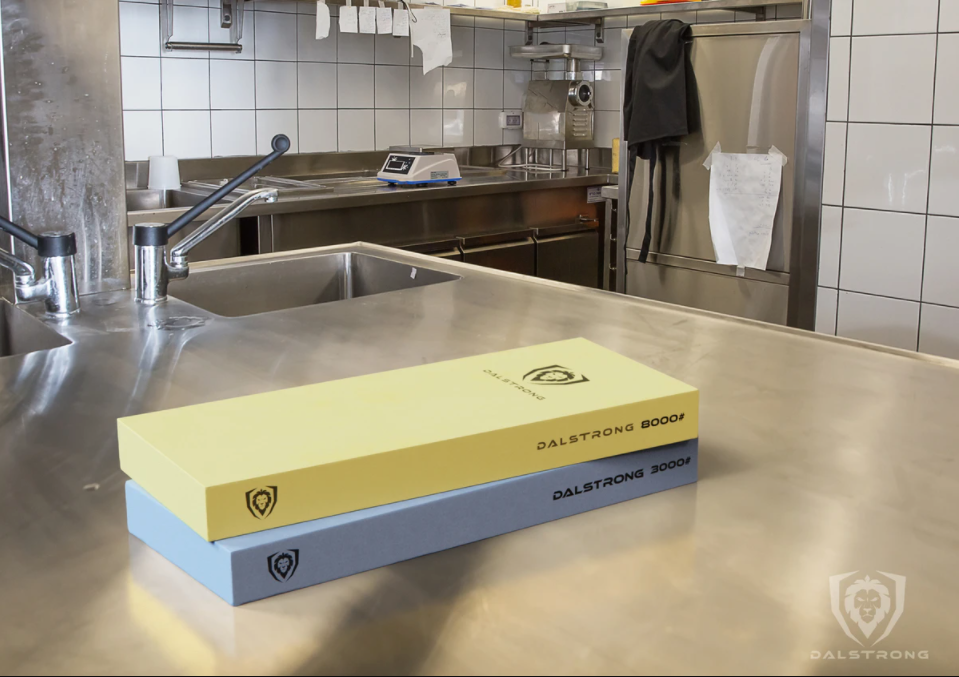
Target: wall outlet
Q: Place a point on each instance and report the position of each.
(511, 119)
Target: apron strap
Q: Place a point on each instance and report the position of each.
(648, 237)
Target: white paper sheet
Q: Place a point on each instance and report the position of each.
(322, 20)
(367, 19)
(401, 24)
(384, 20)
(431, 33)
(743, 199)
(349, 19)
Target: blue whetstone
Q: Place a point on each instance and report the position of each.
(247, 568)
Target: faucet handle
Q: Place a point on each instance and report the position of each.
(281, 143)
(52, 245)
(48, 245)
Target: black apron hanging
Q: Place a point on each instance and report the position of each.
(654, 103)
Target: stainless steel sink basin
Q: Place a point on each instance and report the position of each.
(266, 286)
(141, 200)
(21, 333)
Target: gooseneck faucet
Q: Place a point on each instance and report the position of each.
(58, 286)
(152, 271)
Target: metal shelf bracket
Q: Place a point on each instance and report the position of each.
(231, 16)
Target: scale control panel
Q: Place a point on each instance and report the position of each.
(398, 164)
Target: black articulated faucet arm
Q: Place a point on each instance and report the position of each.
(46, 245)
(20, 233)
(281, 144)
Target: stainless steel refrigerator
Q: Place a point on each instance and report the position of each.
(759, 84)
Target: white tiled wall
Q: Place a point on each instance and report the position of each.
(347, 92)
(890, 234)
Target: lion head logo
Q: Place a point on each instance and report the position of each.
(867, 603)
(864, 604)
(283, 564)
(261, 501)
(555, 375)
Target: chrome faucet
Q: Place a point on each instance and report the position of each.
(58, 286)
(152, 271)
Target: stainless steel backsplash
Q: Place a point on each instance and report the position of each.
(64, 130)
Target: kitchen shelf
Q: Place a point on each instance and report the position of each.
(596, 16)
(591, 16)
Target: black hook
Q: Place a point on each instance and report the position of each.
(409, 10)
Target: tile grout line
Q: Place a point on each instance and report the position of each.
(845, 166)
(932, 145)
(296, 44)
(256, 104)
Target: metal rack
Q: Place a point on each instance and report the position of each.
(231, 16)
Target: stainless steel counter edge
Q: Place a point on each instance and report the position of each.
(341, 198)
(877, 347)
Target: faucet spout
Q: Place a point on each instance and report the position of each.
(20, 268)
(179, 265)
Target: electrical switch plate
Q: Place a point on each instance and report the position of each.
(511, 119)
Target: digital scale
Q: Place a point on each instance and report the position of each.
(418, 169)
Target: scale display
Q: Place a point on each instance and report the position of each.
(398, 164)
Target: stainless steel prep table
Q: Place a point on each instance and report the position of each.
(364, 192)
(818, 456)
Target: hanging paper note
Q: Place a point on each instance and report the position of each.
(367, 18)
(401, 23)
(322, 20)
(431, 33)
(349, 21)
(384, 19)
(743, 199)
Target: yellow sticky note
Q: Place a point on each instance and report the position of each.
(263, 461)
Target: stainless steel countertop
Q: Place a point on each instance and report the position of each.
(818, 456)
(360, 192)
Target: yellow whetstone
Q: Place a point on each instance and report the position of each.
(263, 461)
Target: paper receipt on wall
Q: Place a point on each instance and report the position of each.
(322, 20)
(384, 19)
(430, 31)
(744, 194)
(401, 25)
(367, 19)
(349, 19)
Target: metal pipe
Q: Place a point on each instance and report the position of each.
(203, 47)
(151, 277)
(61, 297)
